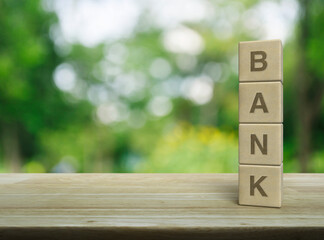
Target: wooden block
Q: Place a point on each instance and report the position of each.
(260, 185)
(260, 102)
(261, 144)
(260, 61)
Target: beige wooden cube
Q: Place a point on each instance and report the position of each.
(260, 185)
(261, 144)
(260, 102)
(260, 61)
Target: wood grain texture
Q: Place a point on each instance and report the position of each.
(154, 206)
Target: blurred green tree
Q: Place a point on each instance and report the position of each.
(30, 103)
(309, 82)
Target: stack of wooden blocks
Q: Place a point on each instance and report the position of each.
(260, 123)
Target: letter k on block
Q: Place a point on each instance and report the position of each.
(254, 185)
(260, 185)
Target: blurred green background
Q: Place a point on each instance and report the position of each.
(149, 86)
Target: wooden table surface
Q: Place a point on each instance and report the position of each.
(154, 206)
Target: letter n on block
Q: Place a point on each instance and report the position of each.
(260, 185)
(261, 144)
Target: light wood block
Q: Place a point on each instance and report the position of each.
(261, 144)
(260, 61)
(260, 102)
(260, 185)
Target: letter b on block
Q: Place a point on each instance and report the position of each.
(255, 60)
(260, 61)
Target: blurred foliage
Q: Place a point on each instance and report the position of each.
(194, 149)
(138, 105)
(30, 103)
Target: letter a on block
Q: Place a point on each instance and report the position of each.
(257, 185)
(260, 102)
(261, 60)
(262, 105)
(263, 148)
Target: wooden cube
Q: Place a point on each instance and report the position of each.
(261, 144)
(260, 61)
(260, 102)
(260, 185)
